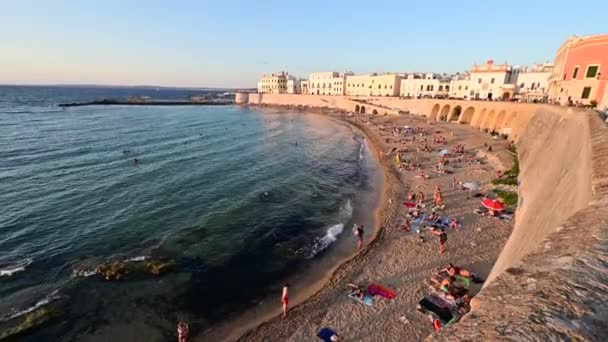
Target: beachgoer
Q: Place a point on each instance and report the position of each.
(454, 271)
(454, 224)
(454, 183)
(182, 331)
(443, 238)
(359, 234)
(285, 299)
(336, 338)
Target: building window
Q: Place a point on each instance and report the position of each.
(575, 72)
(479, 80)
(459, 87)
(591, 71)
(447, 88)
(522, 85)
(564, 76)
(586, 92)
(440, 88)
(379, 86)
(466, 88)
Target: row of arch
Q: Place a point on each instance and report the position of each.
(361, 110)
(485, 119)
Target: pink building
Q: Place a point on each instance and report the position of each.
(581, 71)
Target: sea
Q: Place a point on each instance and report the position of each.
(233, 201)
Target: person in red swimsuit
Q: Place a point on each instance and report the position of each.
(182, 331)
(285, 299)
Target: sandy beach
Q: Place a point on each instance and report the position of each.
(394, 257)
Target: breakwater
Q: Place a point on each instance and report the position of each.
(109, 102)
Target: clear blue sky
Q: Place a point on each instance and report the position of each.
(230, 43)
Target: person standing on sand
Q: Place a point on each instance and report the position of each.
(358, 231)
(285, 299)
(182, 331)
(443, 238)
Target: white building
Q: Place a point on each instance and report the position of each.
(459, 87)
(491, 81)
(427, 85)
(294, 85)
(533, 83)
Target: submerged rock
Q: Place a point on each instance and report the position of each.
(28, 322)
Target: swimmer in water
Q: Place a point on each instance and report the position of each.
(135, 162)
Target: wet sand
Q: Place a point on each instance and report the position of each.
(393, 257)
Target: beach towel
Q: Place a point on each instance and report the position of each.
(367, 300)
(443, 314)
(325, 334)
(379, 290)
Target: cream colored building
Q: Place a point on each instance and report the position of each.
(273, 84)
(533, 83)
(492, 81)
(373, 85)
(304, 86)
(321, 83)
(459, 87)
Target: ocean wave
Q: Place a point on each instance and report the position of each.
(332, 233)
(14, 312)
(8, 270)
(361, 149)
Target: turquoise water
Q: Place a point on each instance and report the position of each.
(240, 200)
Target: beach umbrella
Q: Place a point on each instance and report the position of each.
(443, 152)
(473, 186)
(493, 204)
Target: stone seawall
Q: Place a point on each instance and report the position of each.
(551, 279)
(558, 291)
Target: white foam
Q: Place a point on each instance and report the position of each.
(44, 301)
(17, 267)
(330, 236)
(361, 149)
(137, 258)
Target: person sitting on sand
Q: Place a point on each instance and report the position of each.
(454, 224)
(459, 271)
(411, 196)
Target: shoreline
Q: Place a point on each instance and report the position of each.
(230, 330)
(394, 190)
(379, 215)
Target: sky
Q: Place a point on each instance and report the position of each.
(231, 43)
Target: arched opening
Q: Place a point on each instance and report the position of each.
(357, 109)
(443, 116)
(467, 116)
(506, 96)
(362, 110)
(500, 121)
(489, 119)
(455, 114)
(478, 118)
(434, 112)
(317, 91)
(375, 112)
